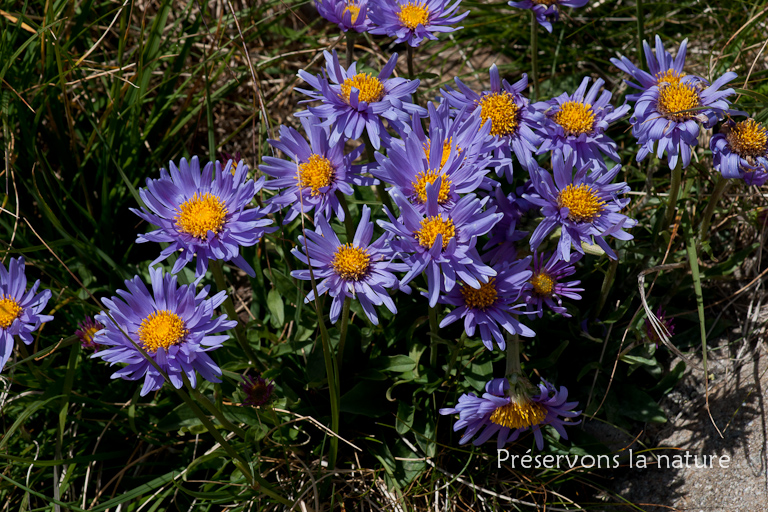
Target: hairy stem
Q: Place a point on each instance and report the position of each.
(343, 331)
(535, 56)
(717, 194)
(674, 192)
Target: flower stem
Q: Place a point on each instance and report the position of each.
(513, 356)
(343, 332)
(535, 55)
(720, 187)
(254, 479)
(383, 196)
(674, 192)
(229, 307)
(350, 46)
(348, 225)
(411, 73)
(433, 327)
(640, 30)
(218, 414)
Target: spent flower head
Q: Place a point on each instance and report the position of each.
(86, 333)
(257, 390)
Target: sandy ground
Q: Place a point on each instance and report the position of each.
(738, 402)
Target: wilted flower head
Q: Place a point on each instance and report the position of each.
(355, 102)
(19, 309)
(315, 172)
(667, 324)
(584, 205)
(203, 215)
(511, 116)
(577, 123)
(663, 68)
(511, 411)
(173, 326)
(347, 14)
(86, 332)
(740, 150)
(670, 113)
(413, 21)
(547, 11)
(492, 305)
(258, 390)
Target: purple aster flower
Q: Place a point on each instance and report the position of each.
(667, 324)
(316, 172)
(577, 123)
(258, 390)
(19, 309)
(413, 21)
(492, 305)
(511, 116)
(547, 11)
(740, 150)
(204, 215)
(663, 68)
(353, 102)
(173, 325)
(669, 114)
(546, 287)
(86, 332)
(583, 205)
(361, 270)
(502, 238)
(417, 162)
(347, 14)
(442, 244)
(510, 411)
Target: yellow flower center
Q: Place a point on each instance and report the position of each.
(424, 178)
(351, 263)
(676, 100)
(545, 2)
(201, 214)
(582, 203)
(515, 415)
(575, 117)
(315, 174)
(670, 76)
(9, 311)
(446, 150)
(500, 108)
(354, 9)
(370, 88)
(543, 284)
(161, 329)
(748, 138)
(89, 333)
(481, 298)
(433, 226)
(413, 14)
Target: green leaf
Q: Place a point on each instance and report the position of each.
(638, 405)
(405, 414)
(276, 308)
(398, 364)
(366, 398)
